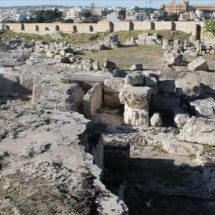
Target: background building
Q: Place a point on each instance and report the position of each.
(180, 8)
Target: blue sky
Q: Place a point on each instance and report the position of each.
(98, 3)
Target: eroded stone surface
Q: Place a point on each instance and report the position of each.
(135, 97)
(199, 130)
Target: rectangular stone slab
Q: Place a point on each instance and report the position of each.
(74, 78)
(11, 64)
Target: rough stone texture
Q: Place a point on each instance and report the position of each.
(166, 86)
(189, 88)
(136, 67)
(173, 58)
(204, 107)
(64, 97)
(151, 78)
(180, 117)
(165, 44)
(205, 79)
(113, 85)
(44, 159)
(92, 100)
(134, 79)
(198, 65)
(156, 120)
(136, 117)
(164, 102)
(199, 130)
(135, 97)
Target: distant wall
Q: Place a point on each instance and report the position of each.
(194, 28)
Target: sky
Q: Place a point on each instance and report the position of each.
(98, 3)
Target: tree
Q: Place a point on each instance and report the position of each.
(87, 14)
(136, 8)
(210, 27)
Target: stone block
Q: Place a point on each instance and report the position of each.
(199, 130)
(188, 87)
(134, 79)
(135, 97)
(92, 100)
(136, 67)
(166, 86)
(113, 85)
(198, 65)
(156, 120)
(180, 117)
(204, 107)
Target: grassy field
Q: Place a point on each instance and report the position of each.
(85, 37)
(125, 56)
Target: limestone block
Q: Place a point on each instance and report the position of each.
(150, 81)
(66, 97)
(92, 100)
(9, 84)
(203, 107)
(189, 88)
(156, 120)
(135, 97)
(87, 67)
(198, 64)
(96, 66)
(166, 86)
(165, 102)
(180, 117)
(136, 117)
(150, 77)
(73, 66)
(40, 89)
(136, 67)
(134, 79)
(199, 130)
(173, 58)
(113, 85)
(62, 53)
(80, 66)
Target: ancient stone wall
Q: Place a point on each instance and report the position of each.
(121, 26)
(142, 25)
(194, 28)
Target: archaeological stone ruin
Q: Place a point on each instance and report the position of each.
(83, 137)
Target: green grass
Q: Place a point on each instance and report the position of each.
(85, 37)
(125, 56)
(210, 150)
